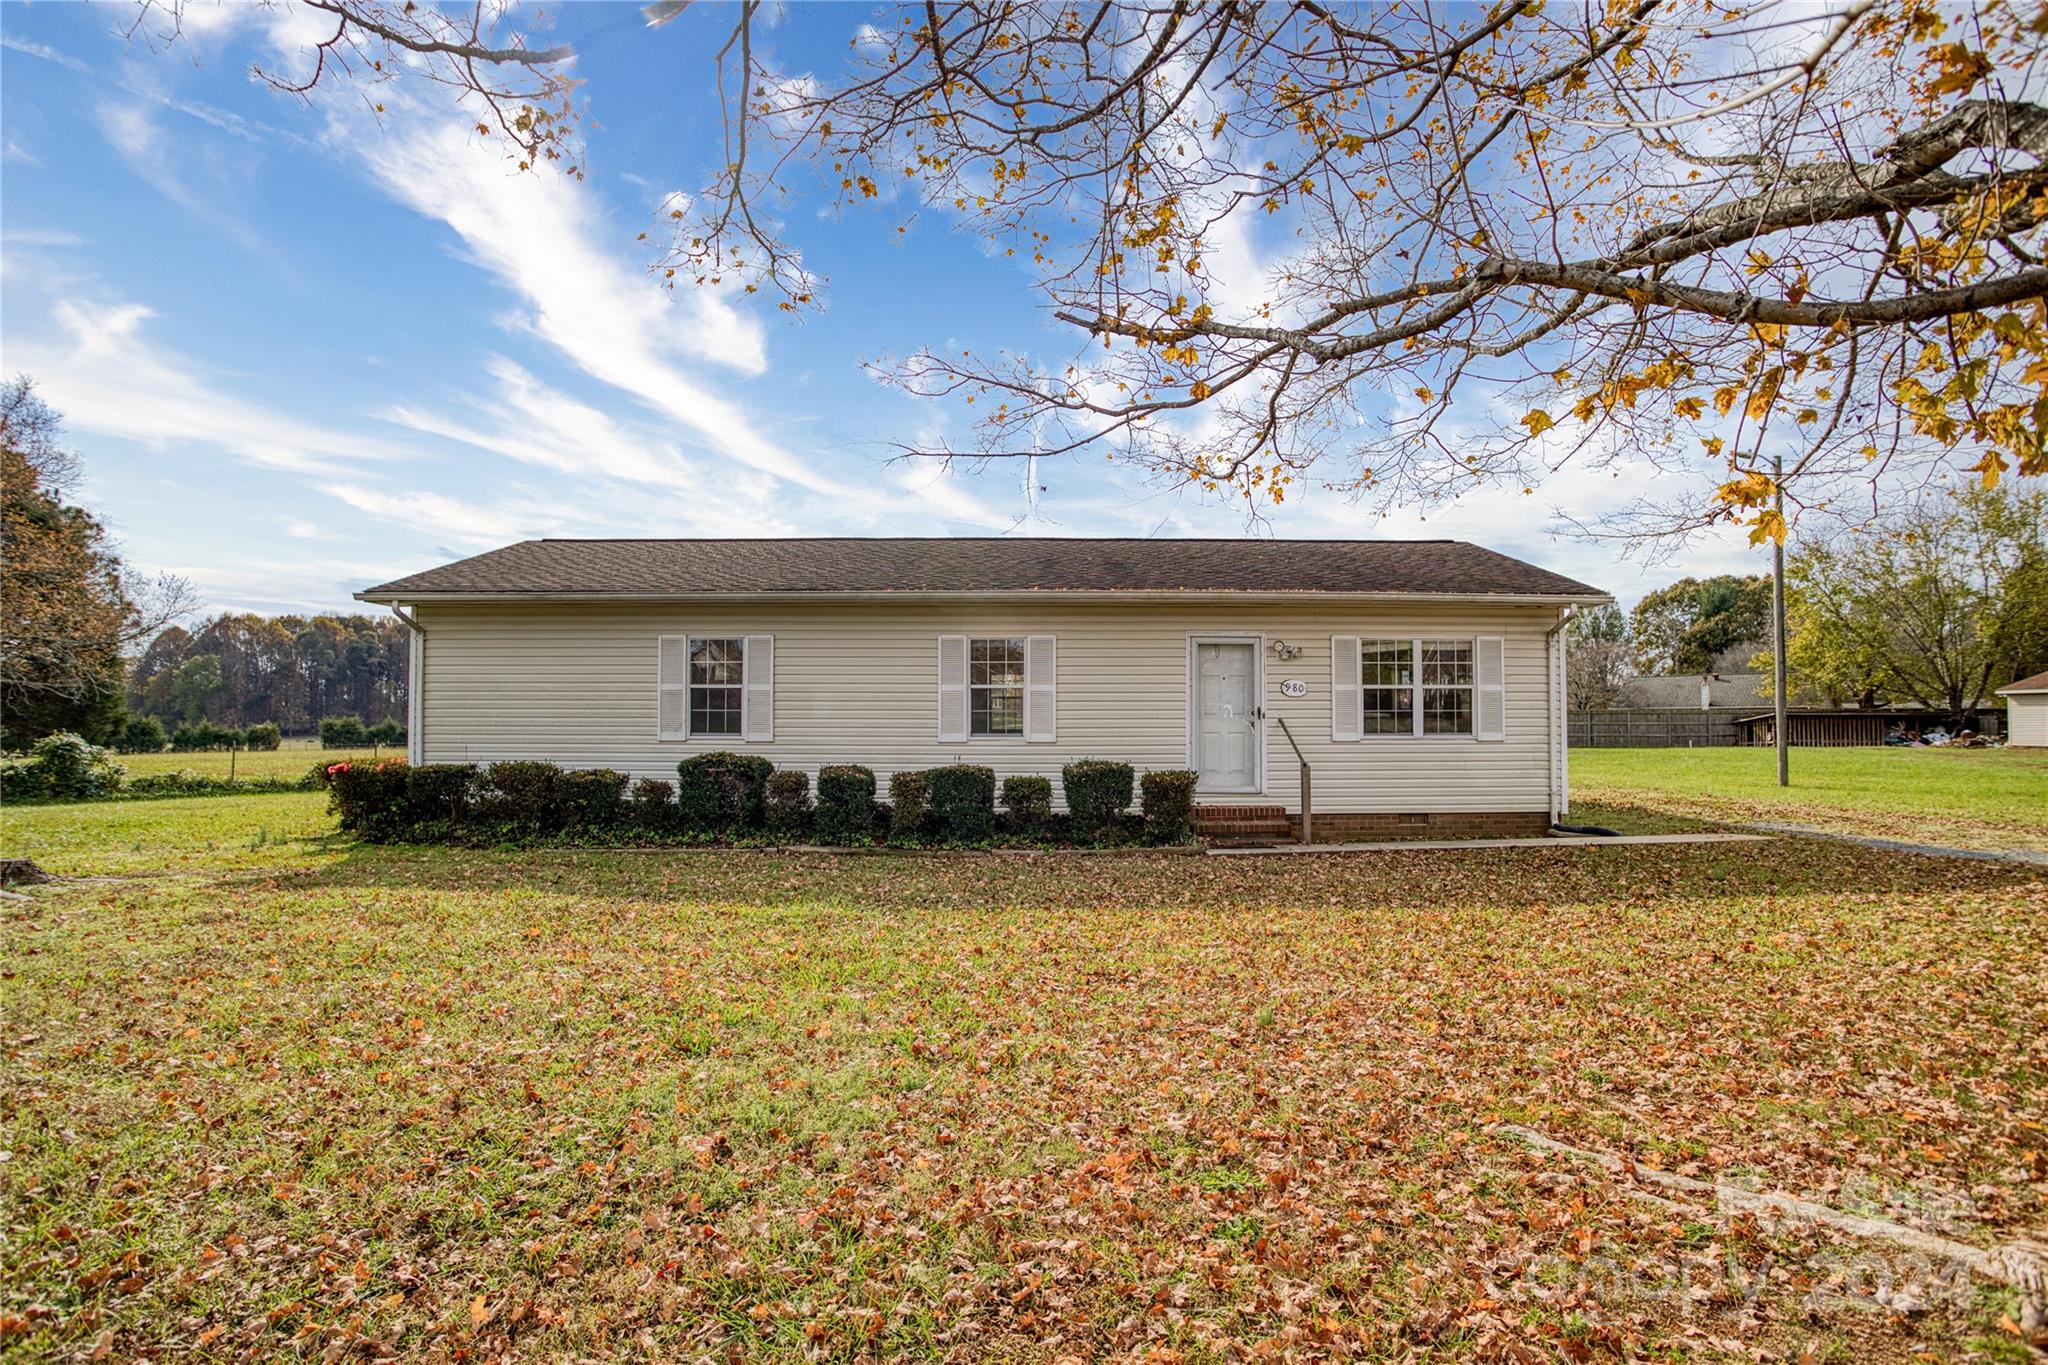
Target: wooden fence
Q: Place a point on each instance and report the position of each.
(1692, 728)
(1675, 728)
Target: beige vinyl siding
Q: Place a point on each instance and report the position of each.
(858, 683)
(2026, 715)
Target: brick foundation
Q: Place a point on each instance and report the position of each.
(1339, 827)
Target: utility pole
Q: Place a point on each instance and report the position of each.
(1778, 618)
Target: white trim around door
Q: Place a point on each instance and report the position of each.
(1255, 645)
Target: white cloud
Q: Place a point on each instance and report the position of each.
(530, 422)
(23, 239)
(276, 585)
(205, 191)
(938, 490)
(202, 22)
(462, 519)
(539, 233)
(44, 51)
(107, 377)
(542, 236)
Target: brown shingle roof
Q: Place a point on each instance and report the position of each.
(2037, 683)
(986, 565)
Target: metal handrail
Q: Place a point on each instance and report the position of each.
(1307, 828)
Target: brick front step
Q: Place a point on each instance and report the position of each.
(1244, 829)
(1239, 812)
(1242, 823)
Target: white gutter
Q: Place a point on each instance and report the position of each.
(1557, 739)
(415, 684)
(1149, 597)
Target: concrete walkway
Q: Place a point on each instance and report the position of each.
(1982, 855)
(1560, 841)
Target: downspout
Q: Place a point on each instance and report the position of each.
(415, 686)
(1561, 735)
(1554, 742)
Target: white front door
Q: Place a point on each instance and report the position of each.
(1227, 715)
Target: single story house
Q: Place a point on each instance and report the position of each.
(1691, 691)
(1417, 686)
(2026, 711)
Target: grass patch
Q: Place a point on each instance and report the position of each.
(292, 759)
(265, 1091)
(1972, 798)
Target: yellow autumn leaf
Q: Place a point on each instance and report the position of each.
(1538, 422)
(1764, 394)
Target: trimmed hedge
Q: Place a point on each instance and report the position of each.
(789, 802)
(371, 800)
(386, 801)
(722, 792)
(265, 737)
(142, 735)
(963, 802)
(846, 804)
(344, 732)
(651, 806)
(1028, 802)
(591, 798)
(910, 794)
(1098, 793)
(439, 793)
(1169, 806)
(519, 795)
(203, 736)
(386, 732)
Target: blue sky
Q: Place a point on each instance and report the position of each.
(305, 349)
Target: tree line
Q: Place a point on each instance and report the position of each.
(1939, 603)
(86, 643)
(241, 669)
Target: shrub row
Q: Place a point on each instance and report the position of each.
(145, 735)
(349, 732)
(204, 735)
(68, 768)
(64, 767)
(741, 796)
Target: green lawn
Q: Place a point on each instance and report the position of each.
(1977, 798)
(267, 1092)
(291, 760)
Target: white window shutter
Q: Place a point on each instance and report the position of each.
(1346, 699)
(1041, 701)
(757, 701)
(952, 689)
(672, 688)
(1489, 696)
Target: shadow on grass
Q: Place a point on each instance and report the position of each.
(1412, 879)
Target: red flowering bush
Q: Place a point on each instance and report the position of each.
(370, 799)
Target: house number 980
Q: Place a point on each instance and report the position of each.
(1293, 687)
